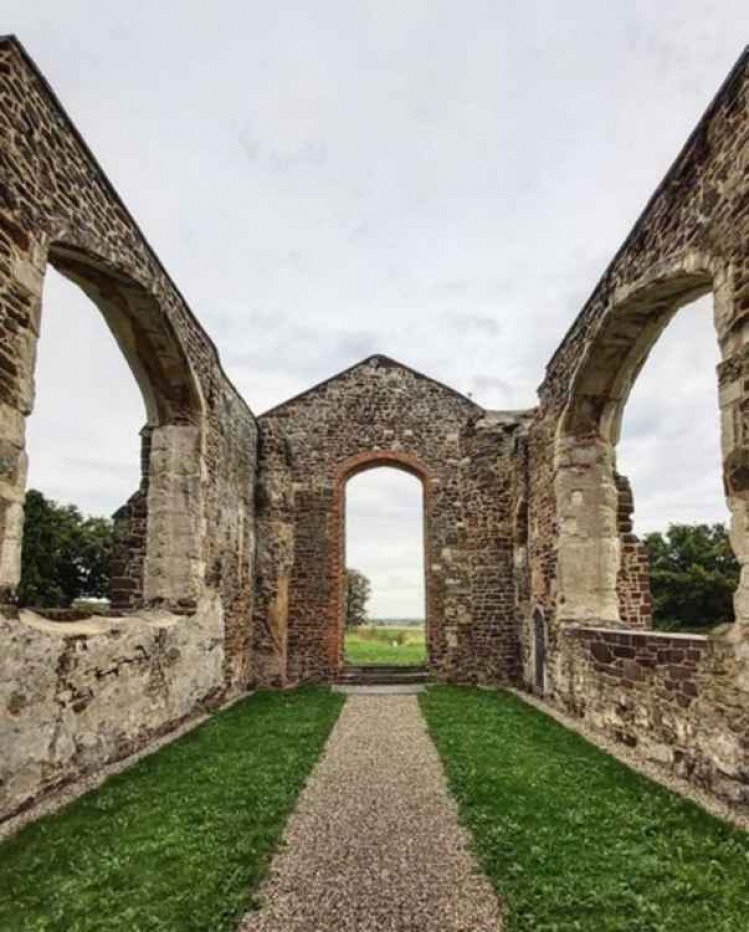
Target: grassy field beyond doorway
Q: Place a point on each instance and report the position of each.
(572, 839)
(404, 645)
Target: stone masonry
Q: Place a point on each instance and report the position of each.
(72, 696)
(230, 560)
(381, 413)
(685, 703)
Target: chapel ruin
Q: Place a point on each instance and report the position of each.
(230, 572)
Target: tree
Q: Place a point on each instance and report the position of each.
(693, 575)
(358, 590)
(65, 556)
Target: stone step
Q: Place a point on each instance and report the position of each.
(382, 675)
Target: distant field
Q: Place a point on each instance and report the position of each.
(396, 644)
(396, 623)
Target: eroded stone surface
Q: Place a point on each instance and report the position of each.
(584, 568)
(76, 695)
(74, 698)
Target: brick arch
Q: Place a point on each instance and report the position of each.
(336, 574)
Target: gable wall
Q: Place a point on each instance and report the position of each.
(381, 413)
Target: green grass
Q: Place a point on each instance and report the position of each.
(178, 842)
(574, 841)
(392, 645)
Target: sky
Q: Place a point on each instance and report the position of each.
(384, 540)
(443, 183)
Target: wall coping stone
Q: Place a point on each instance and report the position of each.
(579, 630)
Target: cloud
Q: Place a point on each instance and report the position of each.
(670, 443)
(490, 387)
(441, 184)
(295, 355)
(482, 324)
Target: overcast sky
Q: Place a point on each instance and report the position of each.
(440, 182)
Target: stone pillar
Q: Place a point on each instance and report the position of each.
(588, 544)
(22, 265)
(633, 581)
(174, 568)
(731, 314)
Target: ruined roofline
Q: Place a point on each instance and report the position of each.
(692, 143)
(515, 414)
(12, 41)
(382, 359)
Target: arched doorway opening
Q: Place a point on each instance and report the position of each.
(384, 557)
(163, 565)
(420, 496)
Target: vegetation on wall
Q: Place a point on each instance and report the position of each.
(65, 555)
(693, 576)
(358, 590)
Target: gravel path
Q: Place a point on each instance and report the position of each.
(374, 844)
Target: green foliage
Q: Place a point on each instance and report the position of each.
(181, 840)
(693, 575)
(358, 590)
(65, 556)
(391, 645)
(574, 841)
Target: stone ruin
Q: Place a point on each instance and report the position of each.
(230, 573)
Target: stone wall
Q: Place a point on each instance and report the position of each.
(682, 702)
(532, 573)
(383, 413)
(679, 699)
(130, 522)
(633, 580)
(189, 533)
(75, 695)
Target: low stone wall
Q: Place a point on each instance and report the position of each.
(77, 695)
(681, 700)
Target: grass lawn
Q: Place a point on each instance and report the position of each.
(380, 644)
(572, 839)
(178, 842)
